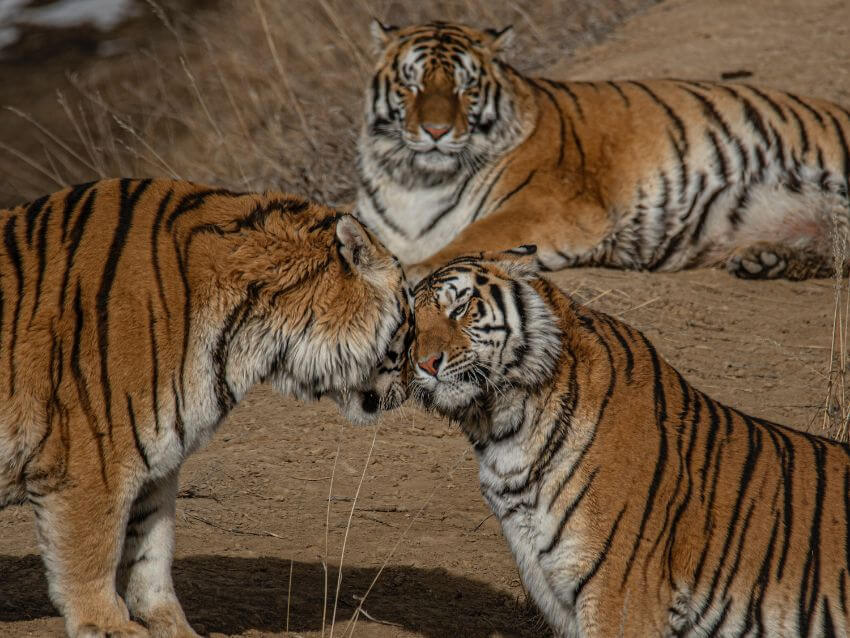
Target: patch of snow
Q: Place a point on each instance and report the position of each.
(8, 9)
(8, 35)
(103, 14)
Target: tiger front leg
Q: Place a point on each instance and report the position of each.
(145, 570)
(562, 232)
(80, 530)
(607, 609)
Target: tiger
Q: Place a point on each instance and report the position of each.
(459, 152)
(633, 503)
(134, 315)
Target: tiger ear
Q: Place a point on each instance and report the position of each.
(499, 40)
(381, 34)
(356, 246)
(520, 262)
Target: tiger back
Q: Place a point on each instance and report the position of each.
(634, 504)
(459, 152)
(134, 314)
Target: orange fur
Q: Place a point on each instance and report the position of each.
(634, 504)
(656, 174)
(135, 314)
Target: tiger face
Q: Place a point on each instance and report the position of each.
(481, 328)
(437, 97)
(386, 388)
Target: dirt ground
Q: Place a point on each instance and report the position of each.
(252, 535)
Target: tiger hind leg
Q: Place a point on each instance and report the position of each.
(766, 260)
(808, 226)
(145, 570)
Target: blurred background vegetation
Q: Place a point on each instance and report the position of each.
(250, 94)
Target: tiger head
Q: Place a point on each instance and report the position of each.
(482, 328)
(386, 387)
(439, 101)
(327, 312)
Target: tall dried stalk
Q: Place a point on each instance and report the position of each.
(835, 410)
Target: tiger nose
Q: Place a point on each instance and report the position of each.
(436, 131)
(431, 363)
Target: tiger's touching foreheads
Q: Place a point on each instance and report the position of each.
(461, 153)
(135, 314)
(386, 387)
(634, 504)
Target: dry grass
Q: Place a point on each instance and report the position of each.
(833, 414)
(256, 95)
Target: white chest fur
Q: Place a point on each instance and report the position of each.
(549, 577)
(528, 523)
(415, 223)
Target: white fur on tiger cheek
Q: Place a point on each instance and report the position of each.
(449, 395)
(542, 336)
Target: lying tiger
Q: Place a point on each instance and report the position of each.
(634, 504)
(459, 152)
(135, 314)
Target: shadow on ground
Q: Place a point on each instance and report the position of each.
(233, 595)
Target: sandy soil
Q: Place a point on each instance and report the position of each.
(253, 504)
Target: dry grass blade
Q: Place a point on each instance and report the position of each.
(126, 127)
(163, 18)
(348, 527)
(483, 520)
(327, 527)
(200, 97)
(362, 66)
(231, 530)
(637, 307)
(53, 137)
(49, 157)
(835, 411)
(349, 628)
(369, 616)
(33, 164)
(83, 135)
(597, 297)
(296, 105)
(288, 596)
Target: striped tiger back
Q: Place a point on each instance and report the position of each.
(134, 314)
(634, 504)
(459, 152)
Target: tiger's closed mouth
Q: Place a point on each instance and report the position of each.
(437, 151)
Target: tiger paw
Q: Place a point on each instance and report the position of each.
(127, 629)
(764, 260)
(758, 262)
(181, 630)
